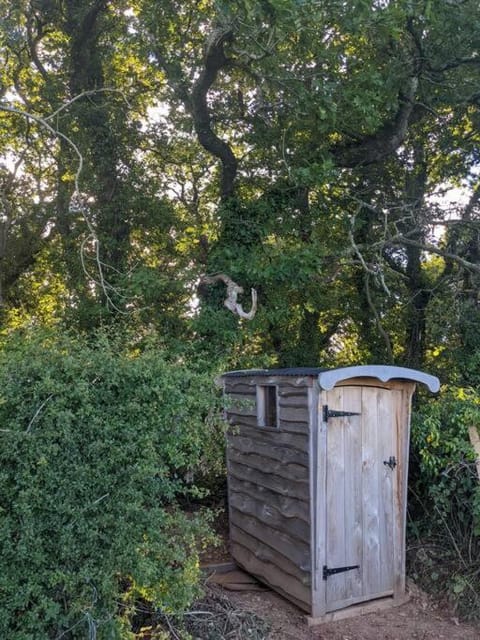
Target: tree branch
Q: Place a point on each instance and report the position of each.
(455, 63)
(33, 40)
(195, 101)
(215, 59)
(376, 315)
(233, 291)
(431, 248)
(77, 200)
(381, 144)
(471, 204)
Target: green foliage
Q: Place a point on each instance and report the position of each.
(445, 499)
(446, 458)
(300, 87)
(100, 437)
(330, 217)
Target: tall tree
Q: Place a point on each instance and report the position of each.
(296, 146)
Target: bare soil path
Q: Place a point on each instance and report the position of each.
(422, 618)
(419, 619)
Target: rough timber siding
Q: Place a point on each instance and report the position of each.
(307, 492)
(269, 487)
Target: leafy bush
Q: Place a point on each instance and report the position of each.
(98, 440)
(445, 499)
(447, 478)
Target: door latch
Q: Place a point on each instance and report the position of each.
(391, 462)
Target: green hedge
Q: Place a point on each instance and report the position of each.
(447, 481)
(444, 505)
(97, 440)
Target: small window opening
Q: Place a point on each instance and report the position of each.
(267, 406)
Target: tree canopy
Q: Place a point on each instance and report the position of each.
(303, 148)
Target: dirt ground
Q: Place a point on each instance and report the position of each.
(419, 619)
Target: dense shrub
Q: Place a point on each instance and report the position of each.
(98, 439)
(444, 500)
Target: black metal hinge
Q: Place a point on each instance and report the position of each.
(330, 572)
(331, 413)
(391, 462)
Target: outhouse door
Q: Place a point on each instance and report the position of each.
(359, 424)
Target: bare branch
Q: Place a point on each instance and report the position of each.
(37, 413)
(376, 315)
(431, 248)
(85, 94)
(77, 200)
(376, 272)
(233, 291)
(55, 132)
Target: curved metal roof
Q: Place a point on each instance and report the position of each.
(328, 378)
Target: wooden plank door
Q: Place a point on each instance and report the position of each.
(359, 496)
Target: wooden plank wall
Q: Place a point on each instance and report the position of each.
(268, 478)
(361, 517)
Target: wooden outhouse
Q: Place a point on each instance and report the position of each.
(317, 464)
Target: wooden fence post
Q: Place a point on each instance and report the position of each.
(475, 440)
